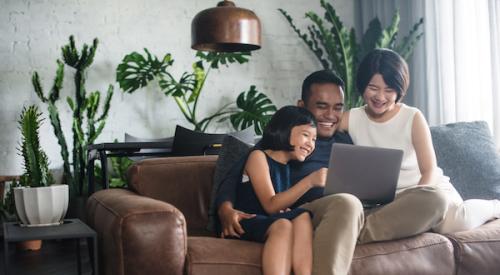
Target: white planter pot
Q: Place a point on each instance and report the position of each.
(41, 206)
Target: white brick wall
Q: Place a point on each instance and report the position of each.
(32, 32)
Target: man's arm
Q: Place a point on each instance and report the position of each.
(224, 200)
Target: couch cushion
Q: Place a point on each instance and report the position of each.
(233, 149)
(221, 256)
(467, 154)
(477, 251)
(426, 253)
(181, 181)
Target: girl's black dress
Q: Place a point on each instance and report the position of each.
(247, 201)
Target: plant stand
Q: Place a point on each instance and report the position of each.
(70, 229)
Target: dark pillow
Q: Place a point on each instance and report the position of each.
(467, 154)
(233, 149)
(192, 143)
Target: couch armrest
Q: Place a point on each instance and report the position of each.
(137, 235)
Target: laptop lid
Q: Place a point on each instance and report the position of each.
(369, 173)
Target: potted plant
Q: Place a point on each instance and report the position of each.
(38, 201)
(251, 108)
(337, 48)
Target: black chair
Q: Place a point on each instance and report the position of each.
(150, 153)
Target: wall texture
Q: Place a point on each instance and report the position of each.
(32, 32)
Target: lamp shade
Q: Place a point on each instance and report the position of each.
(225, 28)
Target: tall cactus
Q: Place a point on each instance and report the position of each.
(84, 108)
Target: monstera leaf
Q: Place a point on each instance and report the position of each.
(214, 58)
(172, 87)
(255, 109)
(137, 70)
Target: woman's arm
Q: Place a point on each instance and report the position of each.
(344, 122)
(257, 170)
(422, 142)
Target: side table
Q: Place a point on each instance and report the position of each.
(70, 229)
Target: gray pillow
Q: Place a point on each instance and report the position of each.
(467, 154)
(233, 149)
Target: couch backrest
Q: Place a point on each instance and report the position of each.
(185, 182)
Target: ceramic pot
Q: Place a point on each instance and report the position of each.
(32, 245)
(41, 206)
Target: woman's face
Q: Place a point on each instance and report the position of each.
(303, 139)
(378, 97)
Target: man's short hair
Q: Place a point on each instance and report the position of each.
(319, 77)
(276, 135)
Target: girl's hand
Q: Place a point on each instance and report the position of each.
(318, 177)
(286, 210)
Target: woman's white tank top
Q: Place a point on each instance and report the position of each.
(395, 133)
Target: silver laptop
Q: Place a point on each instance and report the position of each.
(369, 173)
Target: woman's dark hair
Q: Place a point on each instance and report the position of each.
(319, 77)
(390, 65)
(276, 134)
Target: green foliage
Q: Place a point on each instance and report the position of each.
(120, 166)
(337, 48)
(8, 206)
(36, 164)
(136, 71)
(256, 108)
(87, 124)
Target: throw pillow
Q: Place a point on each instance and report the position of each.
(233, 149)
(192, 143)
(467, 154)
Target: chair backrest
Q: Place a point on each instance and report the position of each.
(167, 150)
(193, 143)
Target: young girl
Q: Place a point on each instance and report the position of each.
(384, 121)
(265, 191)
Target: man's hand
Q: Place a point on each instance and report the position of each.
(230, 220)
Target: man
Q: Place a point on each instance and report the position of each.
(338, 220)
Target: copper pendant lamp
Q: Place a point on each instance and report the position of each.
(225, 28)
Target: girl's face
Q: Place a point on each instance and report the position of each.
(379, 98)
(303, 139)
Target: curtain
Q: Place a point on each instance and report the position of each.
(455, 69)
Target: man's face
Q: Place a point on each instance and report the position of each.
(326, 103)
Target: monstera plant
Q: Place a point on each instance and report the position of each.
(338, 49)
(251, 107)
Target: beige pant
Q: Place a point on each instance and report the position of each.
(340, 223)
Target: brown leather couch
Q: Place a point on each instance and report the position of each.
(159, 227)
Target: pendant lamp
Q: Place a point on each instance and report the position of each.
(225, 28)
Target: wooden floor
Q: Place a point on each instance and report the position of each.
(55, 258)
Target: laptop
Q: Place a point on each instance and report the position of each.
(369, 173)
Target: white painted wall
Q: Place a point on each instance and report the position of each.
(32, 32)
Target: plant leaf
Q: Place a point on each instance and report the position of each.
(224, 58)
(136, 70)
(255, 109)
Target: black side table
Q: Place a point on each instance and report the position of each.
(70, 229)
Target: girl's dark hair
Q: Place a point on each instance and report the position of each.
(390, 65)
(276, 134)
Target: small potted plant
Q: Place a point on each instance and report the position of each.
(39, 202)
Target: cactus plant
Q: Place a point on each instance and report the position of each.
(337, 49)
(84, 107)
(36, 164)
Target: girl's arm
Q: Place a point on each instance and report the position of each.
(344, 122)
(257, 170)
(422, 142)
